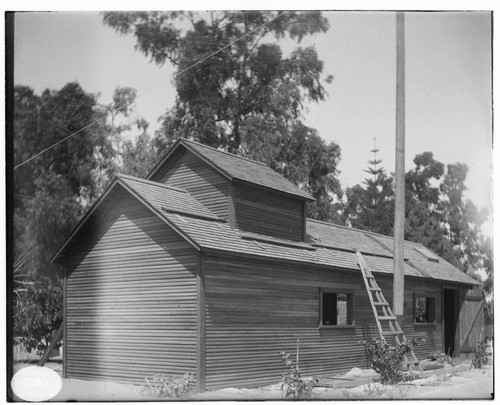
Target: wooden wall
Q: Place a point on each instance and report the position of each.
(268, 213)
(472, 317)
(246, 207)
(130, 298)
(256, 310)
(203, 183)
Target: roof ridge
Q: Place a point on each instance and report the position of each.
(224, 152)
(152, 183)
(343, 227)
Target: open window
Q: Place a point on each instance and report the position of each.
(425, 311)
(336, 308)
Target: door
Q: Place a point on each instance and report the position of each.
(450, 314)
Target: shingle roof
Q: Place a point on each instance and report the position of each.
(167, 198)
(339, 253)
(328, 244)
(240, 168)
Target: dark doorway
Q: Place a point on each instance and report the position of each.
(450, 313)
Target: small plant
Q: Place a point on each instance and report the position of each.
(167, 386)
(386, 360)
(293, 385)
(375, 390)
(480, 355)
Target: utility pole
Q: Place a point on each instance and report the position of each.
(399, 204)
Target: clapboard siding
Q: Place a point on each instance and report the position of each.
(255, 310)
(269, 213)
(428, 337)
(471, 302)
(202, 181)
(130, 298)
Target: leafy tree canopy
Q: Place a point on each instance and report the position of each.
(236, 90)
(437, 214)
(52, 191)
(440, 217)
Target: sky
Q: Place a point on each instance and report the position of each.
(448, 82)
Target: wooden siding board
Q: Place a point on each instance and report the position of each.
(203, 182)
(257, 310)
(268, 213)
(201, 325)
(65, 317)
(131, 300)
(470, 301)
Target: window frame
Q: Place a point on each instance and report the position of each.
(350, 307)
(430, 309)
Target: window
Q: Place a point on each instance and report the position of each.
(336, 308)
(424, 309)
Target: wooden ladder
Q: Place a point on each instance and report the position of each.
(379, 303)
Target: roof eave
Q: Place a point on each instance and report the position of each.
(296, 196)
(186, 145)
(83, 220)
(99, 201)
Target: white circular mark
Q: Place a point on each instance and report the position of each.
(36, 383)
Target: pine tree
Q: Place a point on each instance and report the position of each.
(371, 207)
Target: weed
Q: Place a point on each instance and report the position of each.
(403, 390)
(167, 386)
(480, 355)
(293, 385)
(374, 390)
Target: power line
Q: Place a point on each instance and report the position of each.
(363, 67)
(151, 89)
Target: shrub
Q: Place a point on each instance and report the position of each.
(386, 360)
(167, 386)
(480, 355)
(293, 385)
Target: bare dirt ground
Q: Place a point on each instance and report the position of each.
(469, 384)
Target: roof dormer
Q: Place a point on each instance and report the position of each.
(248, 194)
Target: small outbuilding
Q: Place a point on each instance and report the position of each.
(210, 266)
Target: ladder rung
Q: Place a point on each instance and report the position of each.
(387, 318)
(375, 292)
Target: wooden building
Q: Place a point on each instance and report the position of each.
(209, 266)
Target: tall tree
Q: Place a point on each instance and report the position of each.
(463, 218)
(439, 216)
(52, 190)
(371, 206)
(424, 221)
(140, 156)
(225, 73)
(236, 90)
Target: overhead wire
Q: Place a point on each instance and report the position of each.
(148, 91)
(365, 63)
(356, 82)
(317, 117)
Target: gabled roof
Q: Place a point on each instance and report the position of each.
(328, 245)
(235, 167)
(339, 251)
(167, 198)
(156, 197)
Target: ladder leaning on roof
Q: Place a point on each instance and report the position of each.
(377, 300)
